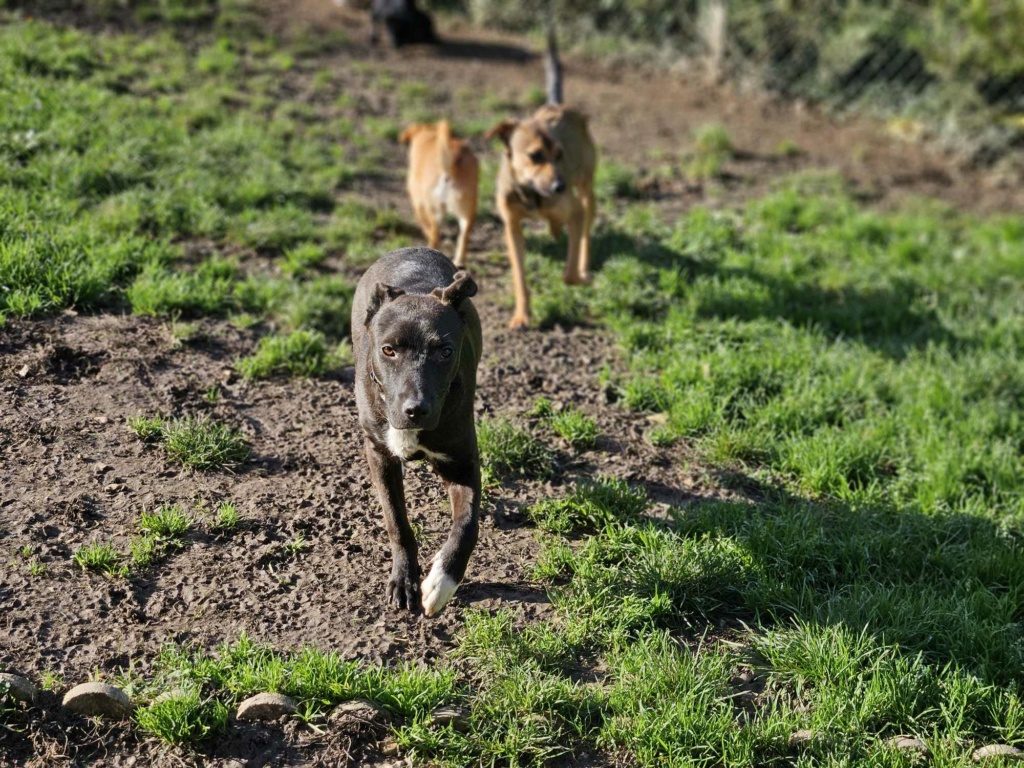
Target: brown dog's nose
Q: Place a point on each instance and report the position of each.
(415, 410)
(558, 185)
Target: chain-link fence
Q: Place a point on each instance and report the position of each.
(955, 65)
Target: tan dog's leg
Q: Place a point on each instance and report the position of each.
(432, 229)
(465, 226)
(571, 276)
(589, 204)
(516, 244)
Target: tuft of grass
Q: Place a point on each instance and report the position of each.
(301, 258)
(183, 717)
(226, 517)
(509, 450)
(199, 442)
(591, 506)
(713, 139)
(144, 551)
(300, 353)
(168, 523)
(102, 558)
(573, 426)
(147, 427)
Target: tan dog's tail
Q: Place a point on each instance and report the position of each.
(552, 66)
(444, 146)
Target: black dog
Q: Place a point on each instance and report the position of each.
(406, 24)
(416, 338)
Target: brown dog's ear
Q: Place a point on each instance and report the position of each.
(462, 288)
(381, 295)
(406, 136)
(502, 130)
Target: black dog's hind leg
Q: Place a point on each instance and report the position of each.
(450, 563)
(386, 473)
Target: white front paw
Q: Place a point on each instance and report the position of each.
(437, 589)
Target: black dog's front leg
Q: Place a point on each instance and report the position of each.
(386, 473)
(450, 563)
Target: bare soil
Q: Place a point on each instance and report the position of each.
(71, 471)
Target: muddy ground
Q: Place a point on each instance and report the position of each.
(71, 471)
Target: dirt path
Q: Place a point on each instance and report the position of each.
(74, 472)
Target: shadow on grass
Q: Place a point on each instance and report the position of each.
(884, 319)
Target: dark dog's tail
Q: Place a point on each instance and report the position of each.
(552, 66)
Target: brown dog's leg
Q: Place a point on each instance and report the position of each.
(465, 225)
(450, 563)
(516, 244)
(571, 276)
(386, 474)
(589, 206)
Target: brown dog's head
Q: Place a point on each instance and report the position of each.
(533, 154)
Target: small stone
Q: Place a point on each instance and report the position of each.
(98, 699)
(114, 487)
(799, 738)
(996, 750)
(389, 749)
(266, 706)
(456, 717)
(908, 744)
(360, 712)
(102, 419)
(23, 371)
(18, 688)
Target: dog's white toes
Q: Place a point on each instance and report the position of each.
(437, 589)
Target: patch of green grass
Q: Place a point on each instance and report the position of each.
(147, 427)
(573, 426)
(303, 257)
(100, 557)
(168, 523)
(591, 506)
(144, 551)
(510, 450)
(300, 353)
(199, 442)
(183, 717)
(226, 517)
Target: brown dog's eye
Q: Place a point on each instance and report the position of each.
(446, 352)
(537, 158)
(388, 350)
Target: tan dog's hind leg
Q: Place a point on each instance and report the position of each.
(465, 226)
(516, 244)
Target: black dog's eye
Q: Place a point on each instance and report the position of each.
(446, 352)
(537, 158)
(388, 350)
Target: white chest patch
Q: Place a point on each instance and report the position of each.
(404, 443)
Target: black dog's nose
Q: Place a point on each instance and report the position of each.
(558, 185)
(415, 410)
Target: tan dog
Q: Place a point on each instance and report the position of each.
(547, 172)
(443, 177)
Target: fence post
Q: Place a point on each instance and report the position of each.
(714, 30)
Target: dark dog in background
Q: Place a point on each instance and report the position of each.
(417, 342)
(406, 24)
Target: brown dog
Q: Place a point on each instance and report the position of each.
(547, 172)
(443, 177)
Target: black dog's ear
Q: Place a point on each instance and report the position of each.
(381, 295)
(502, 130)
(462, 288)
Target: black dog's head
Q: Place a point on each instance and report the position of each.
(415, 344)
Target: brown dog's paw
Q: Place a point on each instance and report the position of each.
(404, 589)
(519, 322)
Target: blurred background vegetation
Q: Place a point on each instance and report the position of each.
(953, 67)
